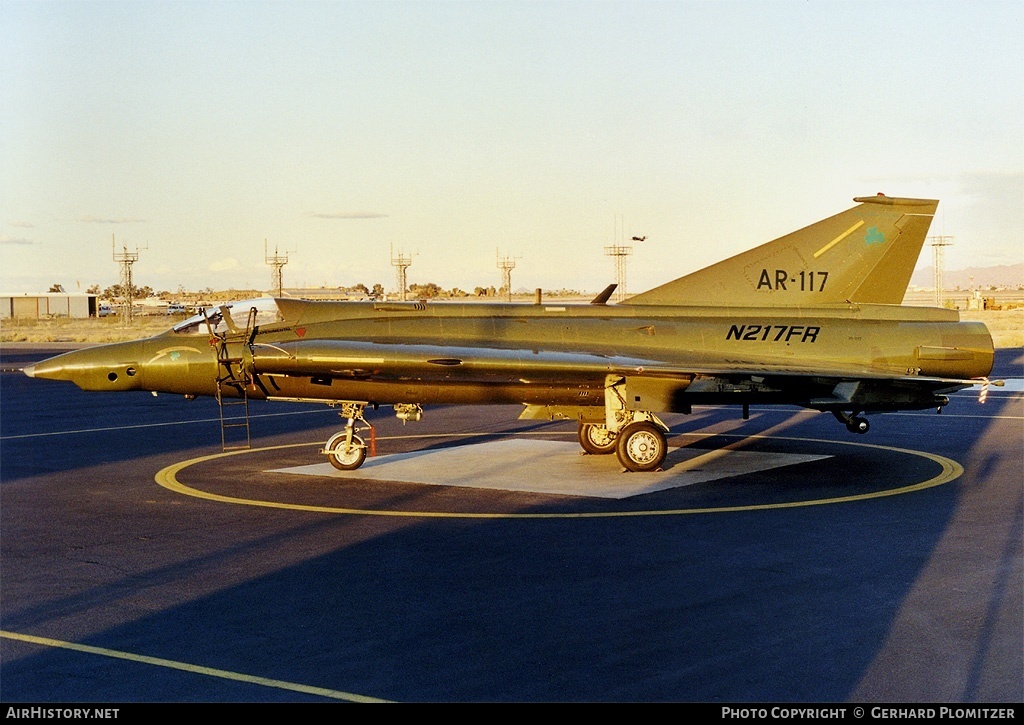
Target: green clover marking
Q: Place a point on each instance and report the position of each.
(874, 237)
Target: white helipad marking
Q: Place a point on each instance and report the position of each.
(550, 467)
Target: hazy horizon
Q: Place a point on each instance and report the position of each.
(339, 133)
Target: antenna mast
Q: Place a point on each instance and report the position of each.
(619, 252)
(938, 244)
(126, 259)
(401, 264)
(506, 265)
(277, 263)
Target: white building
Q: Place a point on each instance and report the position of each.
(48, 304)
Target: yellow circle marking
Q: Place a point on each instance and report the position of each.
(167, 477)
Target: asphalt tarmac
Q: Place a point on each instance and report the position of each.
(140, 564)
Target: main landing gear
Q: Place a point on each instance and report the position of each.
(596, 440)
(640, 446)
(346, 450)
(853, 422)
(636, 437)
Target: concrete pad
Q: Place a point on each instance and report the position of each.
(551, 467)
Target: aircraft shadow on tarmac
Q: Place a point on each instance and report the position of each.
(789, 605)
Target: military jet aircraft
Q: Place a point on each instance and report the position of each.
(811, 319)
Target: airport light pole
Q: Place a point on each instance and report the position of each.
(938, 244)
(506, 265)
(277, 263)
(401, 263)
(619, 252)
(126, 259)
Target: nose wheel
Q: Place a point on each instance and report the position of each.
(346, 450)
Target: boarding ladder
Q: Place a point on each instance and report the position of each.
(232, 373)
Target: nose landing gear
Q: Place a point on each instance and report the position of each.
(346, 450)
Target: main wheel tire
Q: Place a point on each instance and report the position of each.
(596, 439)
(641, 447)
(341, 460)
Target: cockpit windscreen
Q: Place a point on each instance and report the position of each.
(266, 313)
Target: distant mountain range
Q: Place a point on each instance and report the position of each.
(1003, 276)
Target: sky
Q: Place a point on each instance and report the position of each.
(203, 135)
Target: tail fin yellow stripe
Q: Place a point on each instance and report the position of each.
(838, 239)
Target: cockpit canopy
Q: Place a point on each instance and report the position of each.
(266, 308)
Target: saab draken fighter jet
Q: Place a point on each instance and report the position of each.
(811, 319)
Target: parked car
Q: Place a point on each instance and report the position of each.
(176, 309)
(105, 311)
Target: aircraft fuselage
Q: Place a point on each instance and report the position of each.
(420, 346)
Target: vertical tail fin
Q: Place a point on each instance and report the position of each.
(864, 254)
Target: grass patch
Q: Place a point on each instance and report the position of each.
(95, 330)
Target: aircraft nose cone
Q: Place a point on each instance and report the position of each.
(49, 369)
(108, 367)
(61, 367)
